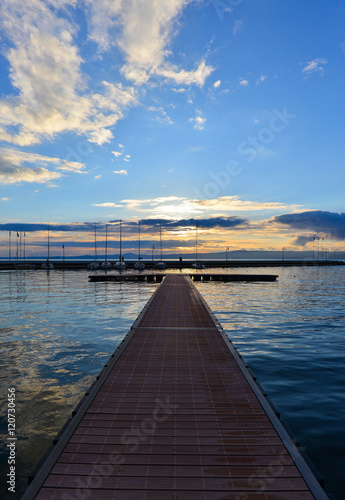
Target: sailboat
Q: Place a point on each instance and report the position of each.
(197, 265)
(93, 266)
(106, 265)
(139, 266)
(120, 265)
(19, 264)
(47, 265)
(161, 265)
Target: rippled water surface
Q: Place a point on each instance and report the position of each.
(58, 330)
(292, 335)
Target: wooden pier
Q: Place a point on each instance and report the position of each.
(175, 414)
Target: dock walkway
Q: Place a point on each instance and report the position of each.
(175, 415)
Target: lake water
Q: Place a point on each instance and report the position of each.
(58, 330)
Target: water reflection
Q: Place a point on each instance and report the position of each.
(57, 332)
(291, 333)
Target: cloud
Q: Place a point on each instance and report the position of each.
(237, 26)
(117, 153)
(243, 82)
(143, 30)
(314, 66)
(206, 223)
(261, 79)
(199, 121)
(107, 205)
(19, 166)
(120, 172)
(322, 223)
(174, 207)
(4, 199)
(161, 114)
(217, 83)
(203, 223)
(302, 241)
(36, 227)
(51, 96)
(233, 203)
(184, 77)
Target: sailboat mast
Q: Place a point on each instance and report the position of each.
(106, 243)
(120, 240)
(48, 242)
(196, 242)
(9, 246)
(160, 237)
(139, 240)
(95, 245)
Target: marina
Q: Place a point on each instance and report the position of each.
(76, 264)
(175, 413)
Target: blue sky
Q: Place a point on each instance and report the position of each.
(173, 110)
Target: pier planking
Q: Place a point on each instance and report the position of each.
(175, 415)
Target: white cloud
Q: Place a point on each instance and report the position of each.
(234, 203)
(98, 176)
(45, 72)
(176, 206)
(217, 83)
(261, 79)
(107, 205)
(4, 199)
(243, 82)
(121, 146)
(19, 166)
(117, 153)
(103, 17)
(198, 121)
(71, 166)
(183, 77)
(120, 172)
(161, 114)
(143, 30)
(237, 26)
(314, 66)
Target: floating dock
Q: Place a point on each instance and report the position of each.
(175, 414)
(201, 276)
